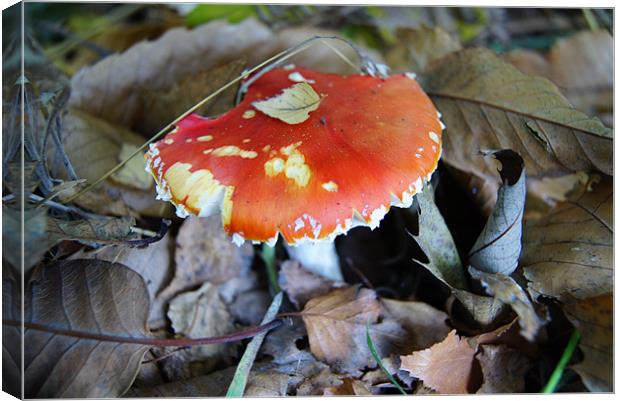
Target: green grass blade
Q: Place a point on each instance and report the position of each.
(554, 380)
(268, 255)
(375, 354)
(240, 379)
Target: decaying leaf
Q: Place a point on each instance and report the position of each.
(416, 47)
(498, 246)
(293, 105)
(102, 230)
(336, 324)
(503, 369)
(506, 290)
(488, 104)
(436, 241)
(197, 314)
(581, 66)
(569, 253)
(593, 317)
(84, 134)
(152, 263)
(132, 172)
(158, 107)
(129, 79)
(424, 324)
(449, 367)
(301, 284)
(446, 367)
(205, 253)
(35, 240)
(83, 296)
(348, 387)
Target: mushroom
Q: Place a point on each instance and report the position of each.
(305, 155)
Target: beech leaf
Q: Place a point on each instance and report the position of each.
(593, 317)
(498, 246)
(72, 303)
(487, 103)
(506, 290)
(568, 254)
(336, 325)
(445, 367)
(293, 105)
(436, 241)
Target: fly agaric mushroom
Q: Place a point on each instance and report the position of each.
(305, 155)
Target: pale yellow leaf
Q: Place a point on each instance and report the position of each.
(293, 105)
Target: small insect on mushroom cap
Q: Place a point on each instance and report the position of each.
(306, 155)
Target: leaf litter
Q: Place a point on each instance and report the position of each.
(201, 285)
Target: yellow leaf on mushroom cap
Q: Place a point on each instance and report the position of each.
(293, 105)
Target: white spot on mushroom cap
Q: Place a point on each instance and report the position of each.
(231, 150)
(330, 186)
(289, 67)
(297, 77)
(411, 75)
(205, 138)
(248, 114)
(238, 239)
(434, 137)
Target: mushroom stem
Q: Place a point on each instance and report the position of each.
(320, 258)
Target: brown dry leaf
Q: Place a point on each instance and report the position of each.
(152, 263)
(204, 252)
(349, 386)
(449, 366)
(300, 284)
(336, 325)
(281, 344)
(503, 369)
(320, 57)
(580, 65)
(583, 67)
(593, 317)
(265, 379)
(82, 296)
(101, 230)
(436, 241)
(249, 306)
(35, 240)
(132, 172)
(199, 314)
(424, 324)
(124, 89)
(506, 290)
(416, 47)
(94, 146)
(564, 262)
(446, 367)
(529, 62)
(488, 104)
(158, 108)
(317, 384)
(114, 88)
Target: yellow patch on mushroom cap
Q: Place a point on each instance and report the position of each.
(198, 190)
(205, 138)
(227, 206)
(232, 150)
(168, 141)
(274, 166)
(294, 167)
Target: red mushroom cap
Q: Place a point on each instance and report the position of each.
(370, 144)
